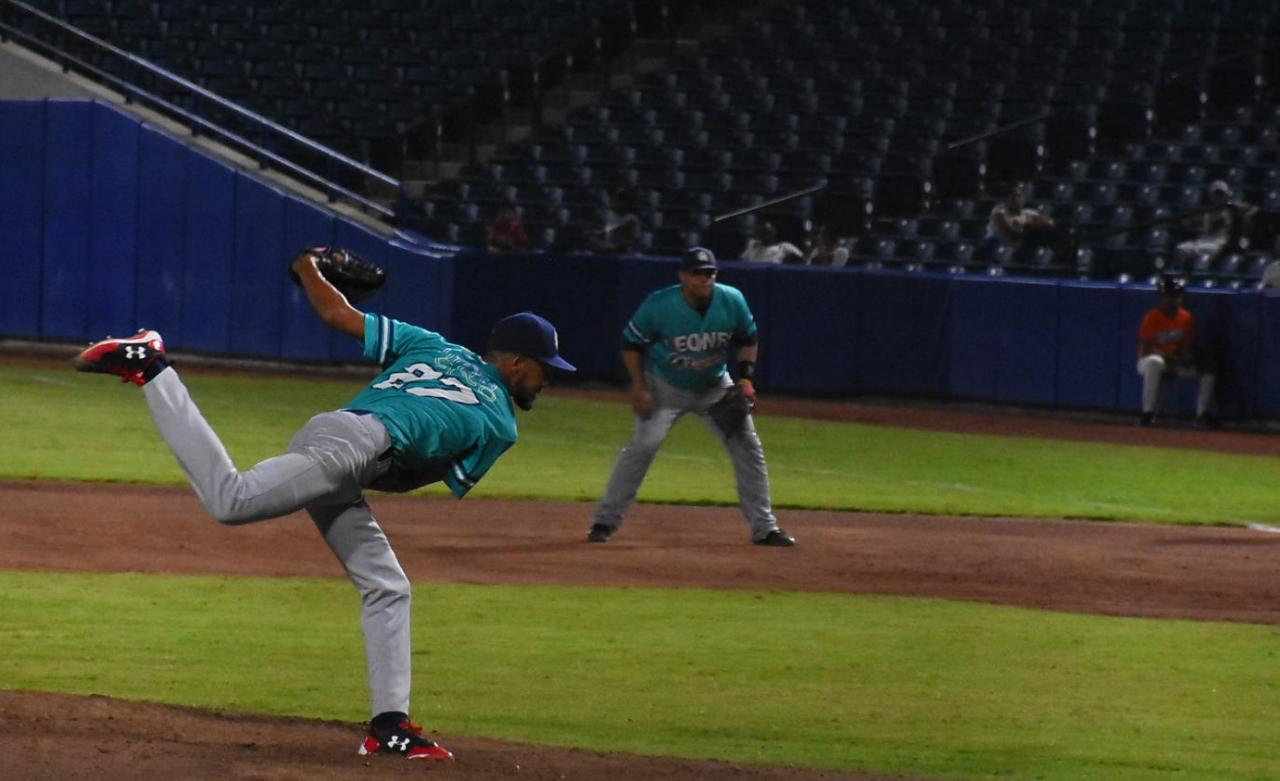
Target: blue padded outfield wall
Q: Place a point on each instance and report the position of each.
(114, 223)
(111, 223)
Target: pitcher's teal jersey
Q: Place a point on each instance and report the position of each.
(448, 412)
(685, 347)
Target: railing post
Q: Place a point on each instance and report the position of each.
(536, 99)
(439, 145)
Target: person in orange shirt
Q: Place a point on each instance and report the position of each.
(1167, 346)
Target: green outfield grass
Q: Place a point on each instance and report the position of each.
(897, 685)
(63, 425)
(921, 687)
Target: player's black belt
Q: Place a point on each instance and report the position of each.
(389, 452)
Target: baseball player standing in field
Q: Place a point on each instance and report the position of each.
(436, 412)
(676, 348)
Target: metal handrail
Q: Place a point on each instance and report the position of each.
(132, 90)
(998, 131)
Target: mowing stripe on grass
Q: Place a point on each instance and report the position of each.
(75, 427)
(932, 688)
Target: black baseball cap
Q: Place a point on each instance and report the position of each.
(1171, 286)
(527, 334)
(698, 259)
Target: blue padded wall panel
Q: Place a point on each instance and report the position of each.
(1088, 322)
(1135, 302)
(162, 214)
(208, 251)
(1229, 324)
(303, 337)
(481, 296)
(1268, 372)
(111, 224)
(578, 294)
(754, 280)
(372, 247)
(259, 255)
(1002, 337)
(1029, 369)
(113, 221)
(638, 277)
(67, 209)
(419, 288)
(975, 323)
(811, 342)
(22, 142)
(902, 325)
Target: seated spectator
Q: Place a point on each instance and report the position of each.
(621, 226)
(1219, 229)
(826, 248)
(1021, 227)
(506, 232)
(1271, 271)
(766, 248)
(1167, 348)
(1270, 276)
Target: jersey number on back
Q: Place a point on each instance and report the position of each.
(425, 372)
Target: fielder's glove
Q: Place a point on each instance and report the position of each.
(731, 411)
(353, 276)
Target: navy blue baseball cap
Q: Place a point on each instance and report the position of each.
(698, 259)
(527, 334)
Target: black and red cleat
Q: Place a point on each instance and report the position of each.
(406, 739)
(128, 358)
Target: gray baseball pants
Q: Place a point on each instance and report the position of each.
(669, 405)
(1154, 369)
(328, 463)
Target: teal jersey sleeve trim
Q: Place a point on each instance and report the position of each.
(640, 328)
(377, 337)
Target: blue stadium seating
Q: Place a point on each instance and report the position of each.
(1151, 99)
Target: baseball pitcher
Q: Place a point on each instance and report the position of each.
(437, 412)
(676, 349)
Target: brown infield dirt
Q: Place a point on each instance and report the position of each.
(1199, 573)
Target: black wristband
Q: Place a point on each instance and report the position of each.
(746, 370)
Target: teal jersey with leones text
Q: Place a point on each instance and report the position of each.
(687, 348)
(448, 412)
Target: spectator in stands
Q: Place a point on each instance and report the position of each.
(1167, 347)
(506, 232)
(827, 249)
(621, 226)
(1220, 228)
(766, 248)
(1019, 226)
(1270, 276)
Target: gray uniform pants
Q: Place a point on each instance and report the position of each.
(1156, 368)
(327, 465)
(669, 405)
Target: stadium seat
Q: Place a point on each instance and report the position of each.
(855, 95)
(899, 195)
(1121, 123)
